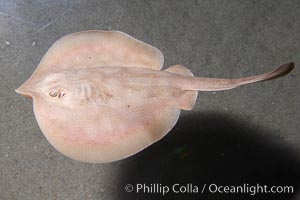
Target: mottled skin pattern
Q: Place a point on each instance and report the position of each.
(99, 96)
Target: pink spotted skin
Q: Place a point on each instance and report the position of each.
(101, 96)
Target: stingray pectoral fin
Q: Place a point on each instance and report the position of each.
(96, 48)
(187, 99)
(100, 134)
(215, 84)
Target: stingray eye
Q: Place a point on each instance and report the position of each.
(61, 93)
(53, 94)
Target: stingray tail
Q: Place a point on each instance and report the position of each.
(215, 84)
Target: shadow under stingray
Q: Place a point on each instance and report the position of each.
(212, 148)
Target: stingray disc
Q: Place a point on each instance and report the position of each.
(97, 130)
